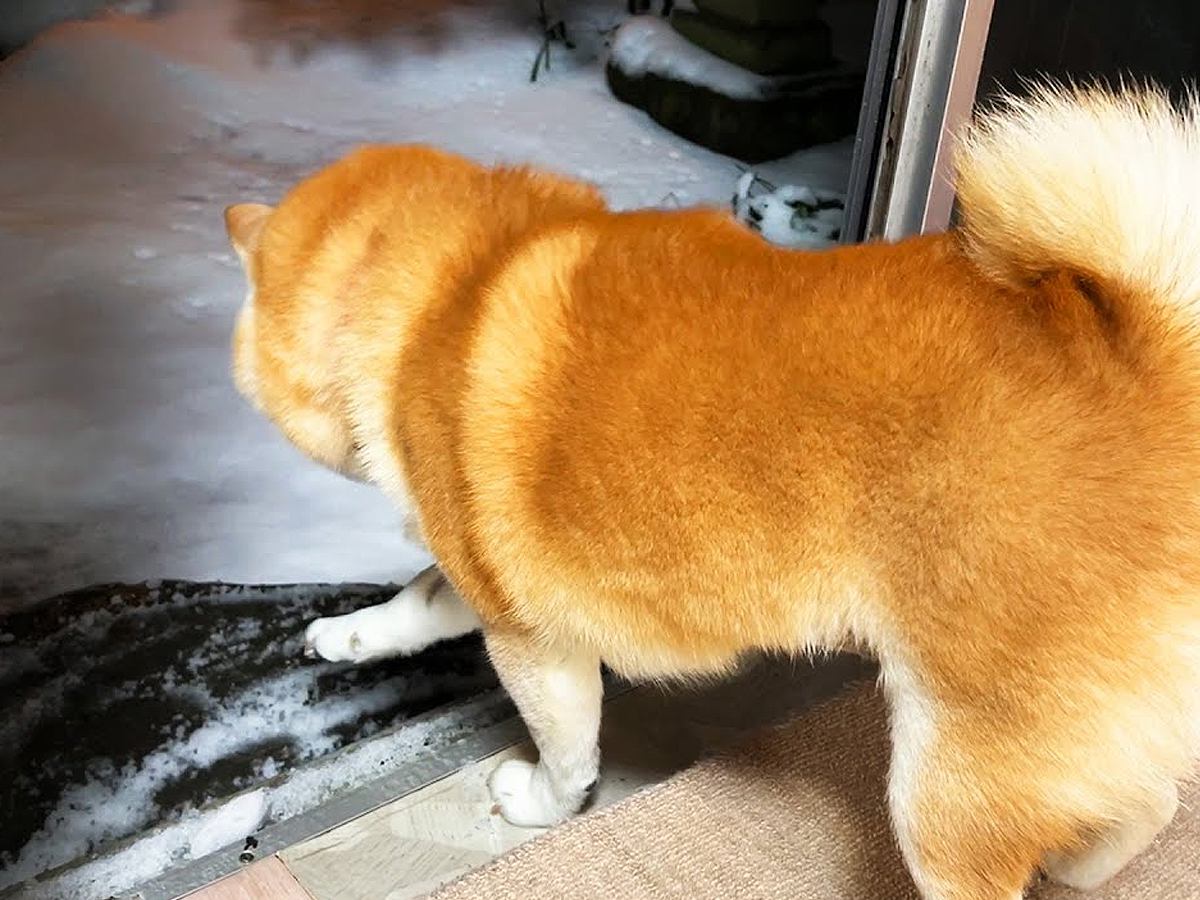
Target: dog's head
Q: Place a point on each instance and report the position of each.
(281, 362)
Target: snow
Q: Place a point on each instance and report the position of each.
(112, 801)
(126, 452)
(226, 686)
(649, 45)
(221, 825)
(229, 824)
(791, 215)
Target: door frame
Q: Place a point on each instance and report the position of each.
(920, 88)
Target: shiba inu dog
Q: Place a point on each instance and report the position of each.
(653, 440)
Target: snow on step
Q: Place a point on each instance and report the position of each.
(649, 45)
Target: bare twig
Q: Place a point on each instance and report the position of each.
(551, 32)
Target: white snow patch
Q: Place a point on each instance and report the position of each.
(230, 824)
(112, 801)
(649, 45)
(791, 215)
(305, 788)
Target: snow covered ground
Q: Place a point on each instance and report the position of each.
(124, 452)
(136, 709)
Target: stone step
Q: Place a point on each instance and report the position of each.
(764, 50)
(812, 109)
(755, 13)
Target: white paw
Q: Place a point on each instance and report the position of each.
(337, 639)
(523, 797)
(426, 611)
(1081, 875)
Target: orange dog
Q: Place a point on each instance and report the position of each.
(652, 440)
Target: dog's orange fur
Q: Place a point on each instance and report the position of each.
(651, 435)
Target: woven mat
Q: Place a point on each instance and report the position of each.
(797, 812)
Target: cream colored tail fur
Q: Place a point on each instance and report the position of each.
(1104, 184)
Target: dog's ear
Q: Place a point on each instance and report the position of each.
(244, 222)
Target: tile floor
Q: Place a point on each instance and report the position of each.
(408, 847)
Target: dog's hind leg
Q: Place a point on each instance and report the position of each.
(558, 692)
(1107, 850)
(963, 831)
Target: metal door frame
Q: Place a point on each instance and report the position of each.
(920, 87)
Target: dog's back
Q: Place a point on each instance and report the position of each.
(651, 439)
(974, 454)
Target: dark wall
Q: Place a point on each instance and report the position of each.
(1080, 38)
(21, 20)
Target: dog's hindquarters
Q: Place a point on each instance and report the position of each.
(1057, 734)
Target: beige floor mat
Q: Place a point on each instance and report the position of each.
(798, 812)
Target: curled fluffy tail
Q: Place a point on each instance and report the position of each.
(1103, 184)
